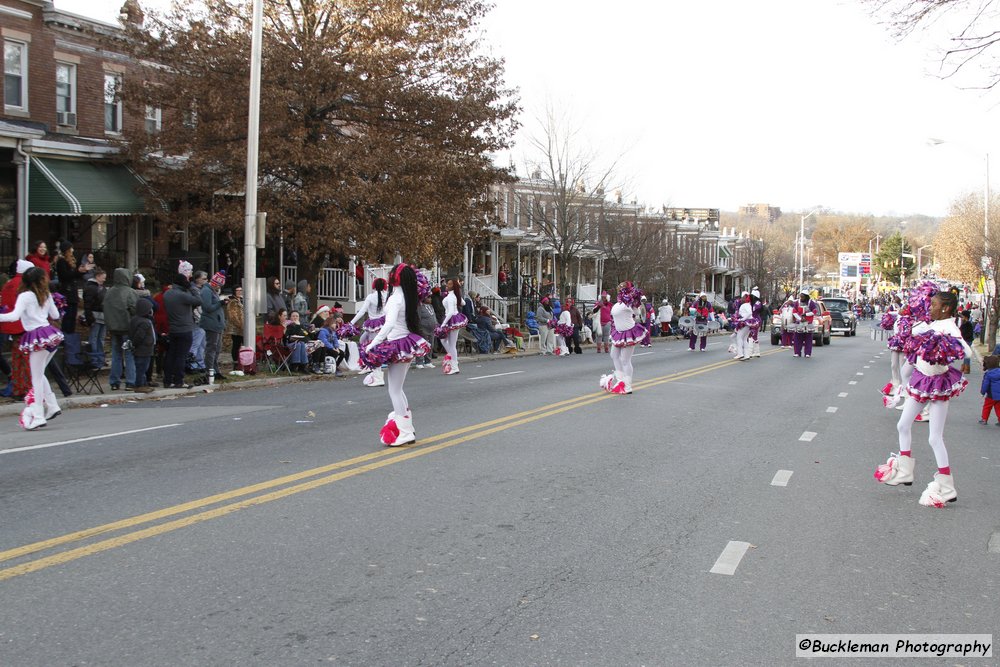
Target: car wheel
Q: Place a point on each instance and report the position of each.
(828, 339)
(818, 340)
(775, 339)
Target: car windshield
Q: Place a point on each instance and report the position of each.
(837, 306)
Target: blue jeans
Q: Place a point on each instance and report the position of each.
(114, 379)
(141, 366)
(96, 340)
(198, 349)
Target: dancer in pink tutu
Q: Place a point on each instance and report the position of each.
(932, 350)
(891, 322)
(396, 344)
(35, 308)
(626, 333)
(373, 309)
(453, 322)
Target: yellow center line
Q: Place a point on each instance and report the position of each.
(464, 434)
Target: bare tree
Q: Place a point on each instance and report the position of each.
(572, 185)
(972, 30)
(963, 248)
(633, 248)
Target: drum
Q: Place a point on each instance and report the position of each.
(714, 325)
(686, 323)
(701, 329)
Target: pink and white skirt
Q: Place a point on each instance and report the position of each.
(42, 338)
(629, 337)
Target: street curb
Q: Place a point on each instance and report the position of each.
(159, 393)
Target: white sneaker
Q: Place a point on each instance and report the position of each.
(428, 365)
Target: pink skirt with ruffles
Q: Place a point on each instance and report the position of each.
(373, 325)
(42, 338)
(401, 350)
(456, 321)
(942, 387)
(629, 337)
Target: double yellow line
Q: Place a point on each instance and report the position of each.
(293, 484)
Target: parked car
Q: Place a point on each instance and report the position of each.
(842, 315)
(824, 324)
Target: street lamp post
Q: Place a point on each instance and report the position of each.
(802, 244)
(919, 250)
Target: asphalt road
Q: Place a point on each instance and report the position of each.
(537, 520)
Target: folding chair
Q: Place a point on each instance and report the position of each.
(278, 356)
(80, 371)
(532, 337)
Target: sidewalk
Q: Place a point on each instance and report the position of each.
(262, 379)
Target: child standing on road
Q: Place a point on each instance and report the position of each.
(991, 388)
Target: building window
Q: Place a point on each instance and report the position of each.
(112, 103)
(517, 212)
(66, 94)
(15, 71)
(153, 123)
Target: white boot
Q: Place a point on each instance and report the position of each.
(446, 365)
(406, 433)
(924, 415)
(454, 370)
(609, 381)
(756, 348)
(51, 406)
(375, 379)
(940, 492)
(628, 385)
(897, 470)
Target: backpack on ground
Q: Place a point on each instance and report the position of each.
(248, 360)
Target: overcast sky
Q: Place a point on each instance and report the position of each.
(719, 103)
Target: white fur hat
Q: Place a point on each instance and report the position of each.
(23, 265)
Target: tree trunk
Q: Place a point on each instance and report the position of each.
(308, 269)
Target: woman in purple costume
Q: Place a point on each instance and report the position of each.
(935, 381)
(396, 344)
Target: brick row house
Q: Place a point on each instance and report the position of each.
(61, 117)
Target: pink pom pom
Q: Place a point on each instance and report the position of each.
(389, 432)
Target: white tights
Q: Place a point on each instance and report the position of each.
(621, 357)
(938, 416)
(894, 364)
(450, 344)
(37, 361)
(395, 375)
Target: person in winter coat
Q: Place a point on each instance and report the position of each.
(68, 274)
(213, 321)
(179, 302)
(300, 302)
(234, 323)
(20, 374)
(140, 332)
(93, 315)
(119, 307)
(275, 301)
(546, 336)
(991, 388)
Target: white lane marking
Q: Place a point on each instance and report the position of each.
(994, 545)
(495, 375)
(641, 354)
(93, 437)
(853, 382)
(807, 436)
(831, 409)
(781, 478)
(859, 373)
(866, 366)
(730, 558)
(842, 394)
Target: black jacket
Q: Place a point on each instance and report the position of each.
(180, 302)
(140, 329)
(93, 301)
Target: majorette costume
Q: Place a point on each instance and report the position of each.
(396, 346)
(375, 314)
(756, 323)
(932, 349)
(899, 323)
(744, 320)
(787, 322)
(700, 311)
(39, 341)
(448, 330)
(626, 333)
(804, 314)
(915, 313)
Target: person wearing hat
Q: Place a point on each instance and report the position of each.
(701, 309)
(213, 321)
(119, 307)
(666, 315)
(744, 317)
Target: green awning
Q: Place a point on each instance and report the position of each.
(724, 252)
(69, 187)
